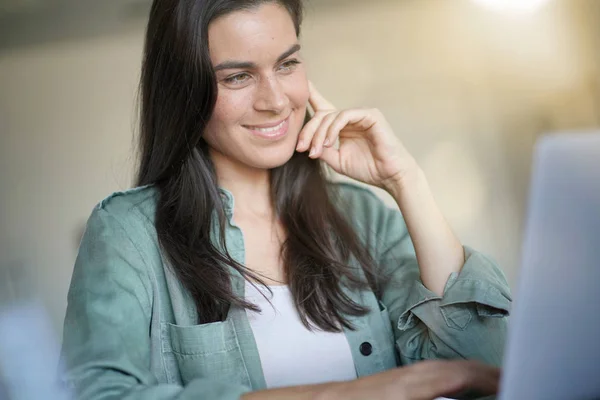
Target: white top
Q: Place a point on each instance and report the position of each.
(290, 354)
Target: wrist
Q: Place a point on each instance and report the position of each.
(336, 391)
(410, 181)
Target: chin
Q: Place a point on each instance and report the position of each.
(275, 158)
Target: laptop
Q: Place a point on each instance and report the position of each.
(553, 346)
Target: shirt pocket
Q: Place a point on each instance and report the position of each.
(205, 351)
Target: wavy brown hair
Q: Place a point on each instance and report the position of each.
(178, 93)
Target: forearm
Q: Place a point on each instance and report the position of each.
(439, 252)
(325, 391)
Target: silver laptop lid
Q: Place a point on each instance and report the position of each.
(553, 349)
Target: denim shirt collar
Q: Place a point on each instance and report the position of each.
(228, 202)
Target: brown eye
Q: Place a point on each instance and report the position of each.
(289, 65)
(237, 79)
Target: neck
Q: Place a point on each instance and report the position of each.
(251, 187)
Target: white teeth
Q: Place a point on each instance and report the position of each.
(267, 130)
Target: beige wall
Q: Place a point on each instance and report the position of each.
(467, 91)
(66, 114)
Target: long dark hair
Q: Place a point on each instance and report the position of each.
(178, 94)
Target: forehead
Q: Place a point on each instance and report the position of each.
(259, 34)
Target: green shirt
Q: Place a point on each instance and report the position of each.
(131, 328)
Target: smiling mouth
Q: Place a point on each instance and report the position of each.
(271, 132)
(267, 128)
(273, 126)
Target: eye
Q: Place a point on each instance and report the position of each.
(237, 79)
(289, 65)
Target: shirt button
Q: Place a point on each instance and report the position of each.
(366, 349)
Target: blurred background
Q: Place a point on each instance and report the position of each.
(468, 85)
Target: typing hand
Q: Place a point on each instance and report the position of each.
(426, 380)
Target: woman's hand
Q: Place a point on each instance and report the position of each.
(426, 380)
(369, 151)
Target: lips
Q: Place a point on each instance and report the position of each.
(270, 131)
(266, 127)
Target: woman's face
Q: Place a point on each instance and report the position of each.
(262, 87)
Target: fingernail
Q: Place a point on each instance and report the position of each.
(326, 142)
(313, 151)
(300, 145)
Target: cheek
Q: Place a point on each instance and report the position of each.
(229, 109)
(227, 113)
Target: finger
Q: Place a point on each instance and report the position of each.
(306, 134)
(429, 387)
(320, 135)
(331, 157)
(334, 129)
(360, 119)
(317, 101)
(475, 378)
(432, 379)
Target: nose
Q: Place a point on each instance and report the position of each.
(271, 96)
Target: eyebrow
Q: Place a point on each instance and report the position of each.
(250, 65)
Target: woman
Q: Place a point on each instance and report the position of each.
(171, 276)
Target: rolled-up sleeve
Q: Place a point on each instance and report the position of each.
(106, 346)
(468, 321)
